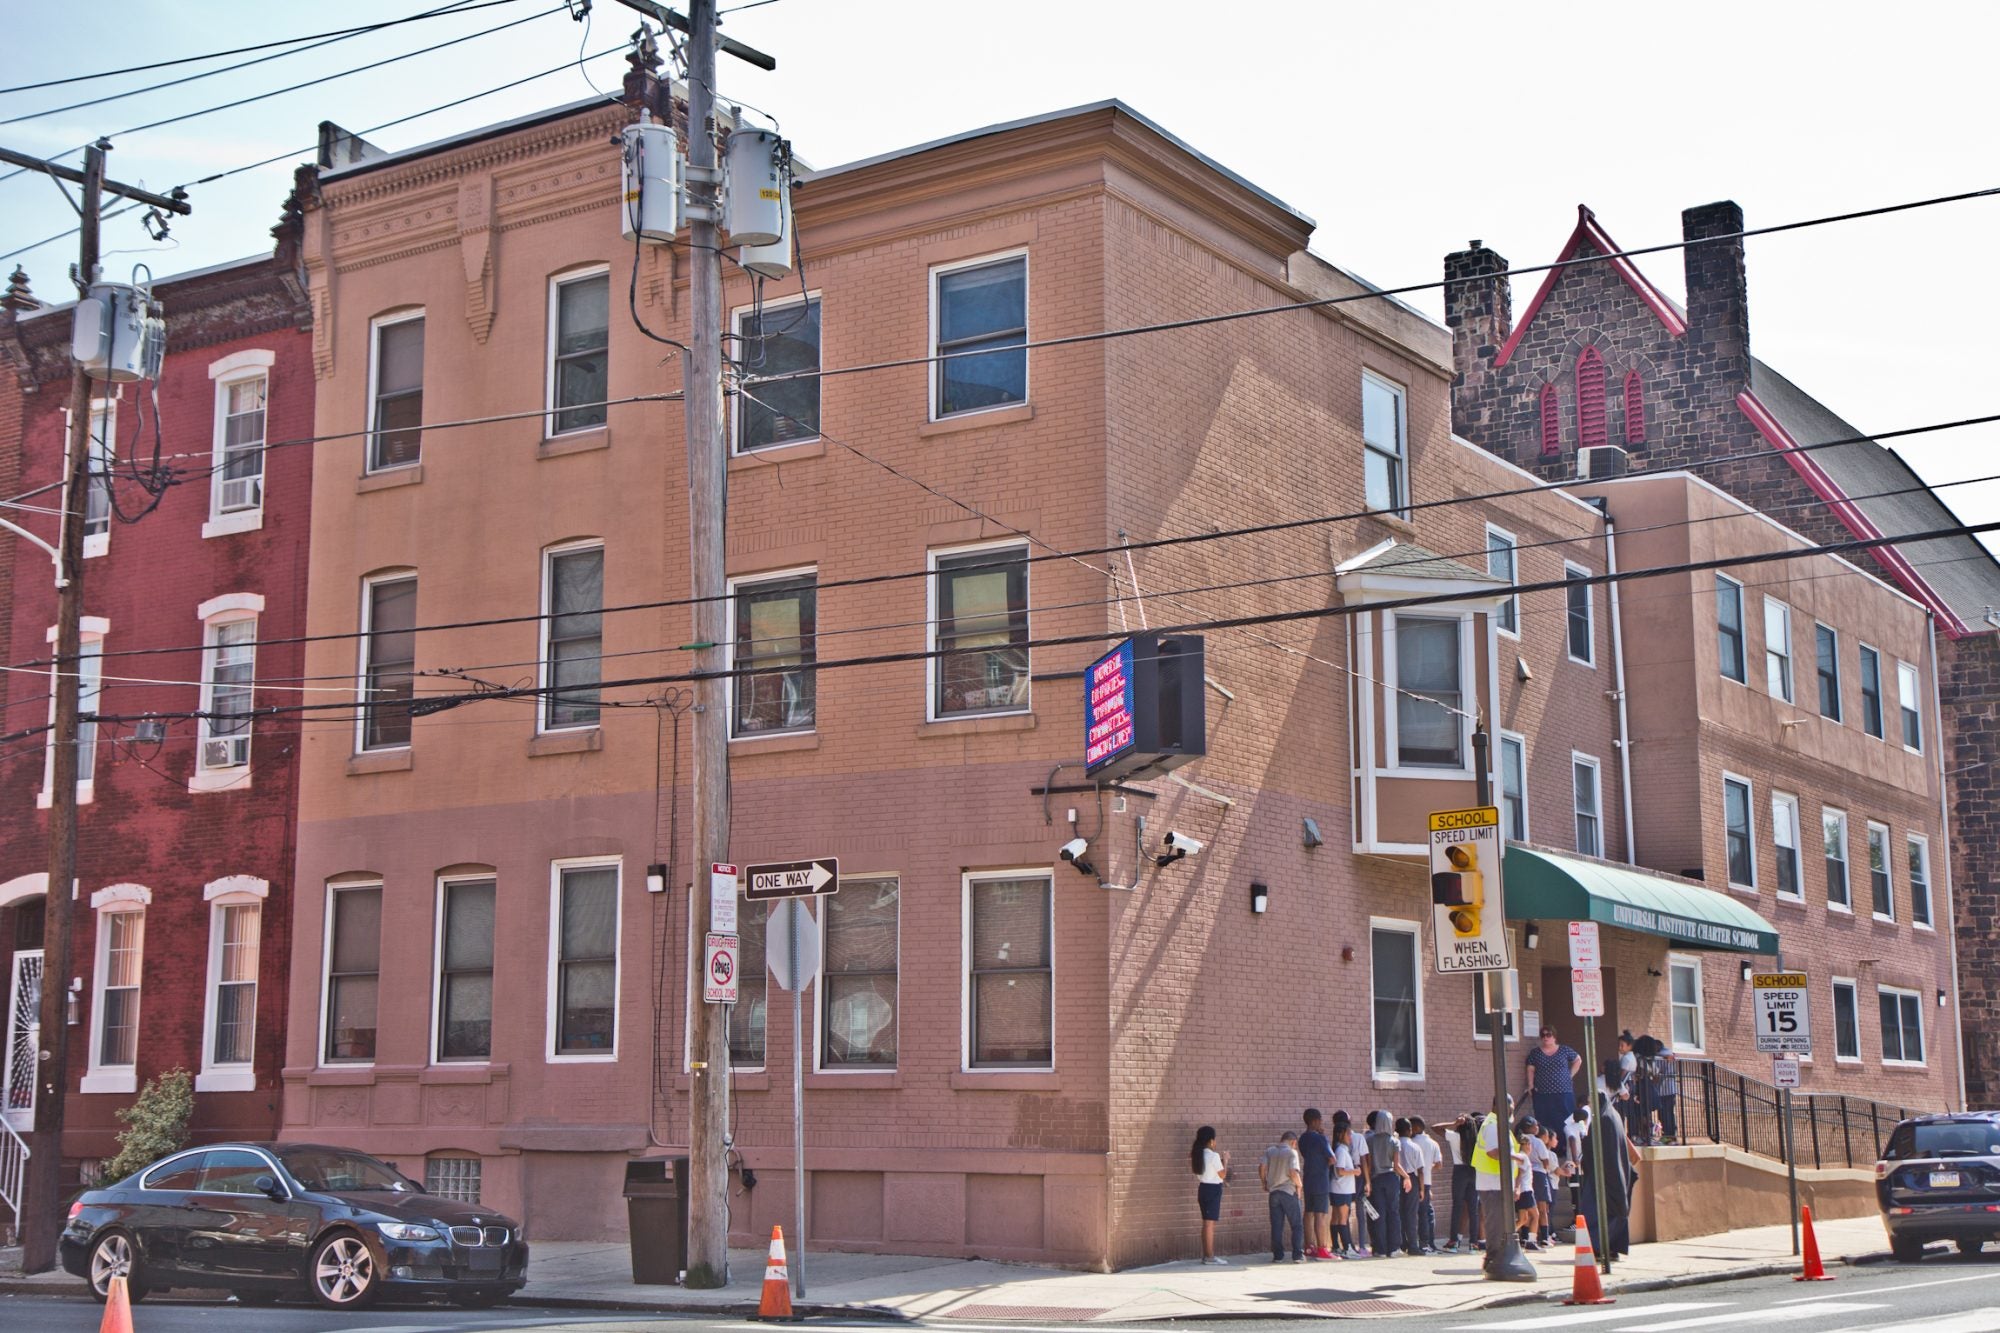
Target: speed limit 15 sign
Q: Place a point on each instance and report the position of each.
(1784, 1022)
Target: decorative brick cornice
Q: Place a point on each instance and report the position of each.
(488, 154)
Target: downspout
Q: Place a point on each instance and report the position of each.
(1618, 663)
(1950, 931)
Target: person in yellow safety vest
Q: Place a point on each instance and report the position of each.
(1486, 1162)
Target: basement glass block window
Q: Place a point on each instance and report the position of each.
(982, 324)
(778, 340)
(454, 1178)
(579, 373)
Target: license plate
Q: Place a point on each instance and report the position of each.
(1944, 1180)
(485, 1260)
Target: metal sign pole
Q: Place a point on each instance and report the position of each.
(1600, 1245)
(1792, 1165)
(797, 909)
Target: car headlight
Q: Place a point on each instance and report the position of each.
(406, 1231)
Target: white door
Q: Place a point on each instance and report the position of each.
(24, 1012)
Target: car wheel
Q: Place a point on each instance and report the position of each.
(1906, 1250)
(255, 1296)
(479, 1300)
(343, 1272)
(1969, 1244)
(115, 1255)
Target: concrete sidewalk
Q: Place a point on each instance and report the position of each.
(587, 1275)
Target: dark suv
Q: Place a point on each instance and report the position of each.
(1939, 1179)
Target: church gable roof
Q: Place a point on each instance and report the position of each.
(1588, 230)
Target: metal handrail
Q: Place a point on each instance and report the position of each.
(1729, 1107)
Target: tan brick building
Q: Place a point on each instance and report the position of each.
(1008, 1057)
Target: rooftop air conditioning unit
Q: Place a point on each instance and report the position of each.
(1603, 460)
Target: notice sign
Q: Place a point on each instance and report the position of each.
(1467, 904)
(1586, 992)
(1107, 708)
(1784, 1025)
(722, 898)
(721, 959)
(1584, 954)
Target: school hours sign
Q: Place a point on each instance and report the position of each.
(1468, 911)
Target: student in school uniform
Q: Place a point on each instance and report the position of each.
(1346, 1171)
(1410, 1159)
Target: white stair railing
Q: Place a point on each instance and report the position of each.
(13, 1170)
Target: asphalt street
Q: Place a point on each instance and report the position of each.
(1941, 1295)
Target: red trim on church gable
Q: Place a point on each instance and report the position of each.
(1588, 230)
(1849, 514)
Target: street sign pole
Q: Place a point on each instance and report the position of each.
(1586, 958)
(797, 910)
(1792, 1165)
(1784, 1028)
(1505, 1260)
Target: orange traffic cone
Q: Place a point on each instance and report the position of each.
(117, 1309)
(1586, 1289)
(776, 1304)
(1814, 1271)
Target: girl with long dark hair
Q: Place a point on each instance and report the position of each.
(1211, 1168)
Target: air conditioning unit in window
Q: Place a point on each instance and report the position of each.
(228, 752)
(1602, 460)
(242, 493)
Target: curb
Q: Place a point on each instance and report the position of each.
(1736, 1274)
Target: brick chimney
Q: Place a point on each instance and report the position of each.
(1718, 302)
(1479, 310)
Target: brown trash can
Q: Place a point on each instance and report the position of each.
(656, 1208)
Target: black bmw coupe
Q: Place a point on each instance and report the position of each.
(266, 1219)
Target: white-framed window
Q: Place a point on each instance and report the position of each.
(1395, 973)
(1833, 835)
(119, 967)
(1009, 970)
(747, 1017)
(1502, 562)
(235, 946)
(228, 690)
(1778, 649)
(1430, 669)
(89, 689)
(1826, 645)
(1586, 792)
(353, 972)
(860, 946)
(1514, 786)
(462, 1009)
(1385, 445)
(97, 485)
(1684, 999)
(579, 349)
(583, 959)
(1919, 849)
(1785, 842)
(774, 622)
(779, 338)
(1739, 832)
(1909, 701)
(388, 660)
(979, 631)
(572, 634)
(1580, 620)
(395, 390)
(979, 331)
(1846, 1021)
(1871, 692)
(236, 485)
(1902, 1025)
(1729, 648)
(1881, 873)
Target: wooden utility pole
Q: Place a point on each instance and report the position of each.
(41, 1222)
(708, 495)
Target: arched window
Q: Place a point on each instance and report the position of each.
(1592, 426)
(1551, 422)
(1635, 409)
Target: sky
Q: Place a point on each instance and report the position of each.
(1404, 129)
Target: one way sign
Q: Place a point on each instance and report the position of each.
(792, 879)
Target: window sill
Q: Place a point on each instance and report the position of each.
(992, 416)
(773, 454)
(1884, 920)
(389, 480)
(1847, 1059)
(228, 525)
(1841, 908)
(858, 1079)
(1791, 900)
(575, 442)
(1924, 926)
(1747, 890)
(86, 792)
(976, 725)
(582, 740)
(1006, 1080)
(342, 1075)
(1908, 1066)
(379, 761)
(585, 1058)
(755, 1080)
(220, 779)
(779, 744)
(111, 1080)
(470, 1071)
(226, 1080)
(1397, 1082)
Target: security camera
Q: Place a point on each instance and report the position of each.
(1074, 848)
(1182, 845)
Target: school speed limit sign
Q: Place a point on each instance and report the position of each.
(1784, 1025)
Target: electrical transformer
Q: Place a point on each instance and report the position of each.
(757, 203)
(651, 180)
(774, 260)
(119, 332)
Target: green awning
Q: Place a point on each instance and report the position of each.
(1549, 886)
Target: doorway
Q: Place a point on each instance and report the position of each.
(23, 1034)
(1557, 1012)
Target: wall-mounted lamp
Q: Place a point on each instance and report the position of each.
(1521, 670)
(1533, 935)
(1260, 898)
(1346, 953)
(1744, 970)
(1311, 835)
(1940, 999)
(656, 877)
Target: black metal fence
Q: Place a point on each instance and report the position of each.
(1725, 1106)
